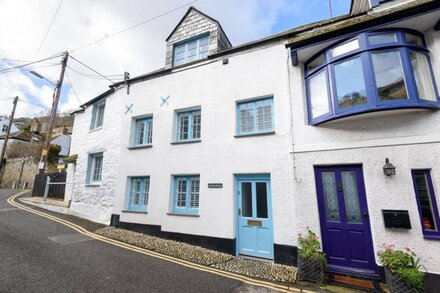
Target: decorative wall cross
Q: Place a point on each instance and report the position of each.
(164, 100)
(128, 109)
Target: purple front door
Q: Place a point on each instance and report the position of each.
(345, 226)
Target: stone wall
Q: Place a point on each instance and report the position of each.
(11, 172)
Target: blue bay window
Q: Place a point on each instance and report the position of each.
(189, 126)
(186, 194)
(143, 132)
(381, 70)
(255, 116)
(192, 49)
(139, 193)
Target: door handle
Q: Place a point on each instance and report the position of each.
(365, 214)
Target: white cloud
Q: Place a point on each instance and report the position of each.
(140, 50)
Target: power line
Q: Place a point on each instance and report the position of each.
(71, 86)
(28, 68)
(30, 63)
(134, 26)
(48, 29)
(115, 76)
(31, 103)
(91, 69)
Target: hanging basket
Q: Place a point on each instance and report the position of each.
(397, 285)
(311, 270)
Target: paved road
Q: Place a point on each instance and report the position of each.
(39, 255)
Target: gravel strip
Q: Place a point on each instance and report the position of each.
(203, 256)
(173, 248)
(260, 269)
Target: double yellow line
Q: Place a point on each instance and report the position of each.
(282, 288)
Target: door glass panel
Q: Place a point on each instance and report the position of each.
(261, 199)
(330, 196)
(351, 93)
(351, 197)
(389, 76)
(425, 201)
(246, 199)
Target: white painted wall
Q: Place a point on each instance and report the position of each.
(410, 139)
(215, 88)
(96, 202)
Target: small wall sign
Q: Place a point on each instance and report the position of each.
(215, 185)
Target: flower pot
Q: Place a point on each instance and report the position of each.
(397, 285)
(311, 270)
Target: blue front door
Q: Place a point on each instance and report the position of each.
(345, 224)
(255, 231)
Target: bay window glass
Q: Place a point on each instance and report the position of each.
(318, 95)
(377, 39)
(413, 39)
(316, 62)
(422, 74)
(351, 93)
(389, 76)
(346, 48)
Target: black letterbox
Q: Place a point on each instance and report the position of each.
(396, 219)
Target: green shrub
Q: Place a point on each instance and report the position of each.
(310, 247)
(412, 277)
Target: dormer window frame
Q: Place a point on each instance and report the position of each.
(186, 43)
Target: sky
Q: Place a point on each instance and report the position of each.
(28, 36)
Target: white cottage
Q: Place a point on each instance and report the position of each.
(241, 148)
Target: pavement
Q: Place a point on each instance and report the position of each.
(41, 255)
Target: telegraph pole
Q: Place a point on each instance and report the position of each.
(53, 113)
(2, 155)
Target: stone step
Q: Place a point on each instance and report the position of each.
(364, 284)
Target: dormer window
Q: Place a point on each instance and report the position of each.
(192, 49)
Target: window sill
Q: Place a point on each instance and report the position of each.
(140, 147)
(93, 184)
(255, 134)
(95, 129)
(186, 141)
(134, 212)
(183, 215)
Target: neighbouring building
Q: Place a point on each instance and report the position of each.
(241, 148)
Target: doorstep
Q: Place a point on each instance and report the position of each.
(55, 205)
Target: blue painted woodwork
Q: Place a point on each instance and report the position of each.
(424, 203)
(138, 194)
(186, 194)
(191, 130)
(364, 52)
(94, 172)
(97, 115)
(345, 224)
(254, 220)
(191, 49)
(259, 124)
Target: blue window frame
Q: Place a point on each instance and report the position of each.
(186, 194)
(139, 193)
(374, 71)
(427, 203)
(97, 115)
(189, 125)
(255, 116)
(94, 168)
(191, 49)
(143, 132)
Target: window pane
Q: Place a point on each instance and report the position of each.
(351, 197)
(146, 191)
(196, 124)
(389, 76)
(246, 199)
(264, 115)
(99, 115)
(413, 39)
(97, 168)
(330, 196)
(136, 190)
(183, 126)
(350, 83)
(382, 38)
(261, 199)
(318, 94)
(424, 198)
(181, 192)
(149, 131)
(246, 117)
(316, 62)
(194, 192)
(140, 133)
(345, 48)
(422, 74)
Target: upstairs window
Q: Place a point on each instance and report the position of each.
(143, 132)
(189, 126)
(255, 116)
(97, 115)
(191, 50)
(94, 168)
(186, 194)
(374, 71)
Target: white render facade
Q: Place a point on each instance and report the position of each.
(290, 157)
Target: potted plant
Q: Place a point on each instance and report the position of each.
(311, 260)
(401, 269)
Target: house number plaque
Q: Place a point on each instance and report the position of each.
(254, 223)
(215, 185)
